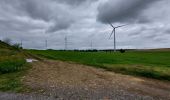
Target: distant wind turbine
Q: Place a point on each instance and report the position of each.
(114, 31)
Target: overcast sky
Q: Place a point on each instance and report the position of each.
(86, 21)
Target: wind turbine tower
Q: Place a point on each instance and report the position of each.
(114, 31)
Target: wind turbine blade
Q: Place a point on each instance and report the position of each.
(121, 26)
(112, 33)
(111, 25)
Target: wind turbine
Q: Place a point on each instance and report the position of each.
(114, 31)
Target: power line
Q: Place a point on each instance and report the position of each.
(46, 44)
(66, 42)
(21, 44)
(91, 45)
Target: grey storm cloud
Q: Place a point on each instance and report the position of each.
(36, 9)
(46, 11)
(123, 10)
(60, 25)
(74, 2)
(43, 10)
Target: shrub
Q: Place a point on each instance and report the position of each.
(17, 46)
(122, 51)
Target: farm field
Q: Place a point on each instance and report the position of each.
(152, 64)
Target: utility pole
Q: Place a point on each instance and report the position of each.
(21, 44)
(65, 42)
(91, 45)
(46, 44)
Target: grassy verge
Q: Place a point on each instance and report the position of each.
(12, 82)
(161, 73)
(12, 68)
(11, 72)
(152, 64)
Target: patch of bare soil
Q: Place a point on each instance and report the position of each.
(65, 80)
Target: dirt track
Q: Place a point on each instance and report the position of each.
(62, 80)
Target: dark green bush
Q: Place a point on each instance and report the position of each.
(122, 51)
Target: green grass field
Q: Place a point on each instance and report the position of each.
(155, 64)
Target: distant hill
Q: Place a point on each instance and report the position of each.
(157, 49)
(161, 49)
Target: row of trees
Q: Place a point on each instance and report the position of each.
(94, 50)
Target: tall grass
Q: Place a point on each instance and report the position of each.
(11, 64)
(12, 69)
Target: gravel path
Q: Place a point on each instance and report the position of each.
(56, 80)
(76, 95)
(14, 96)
